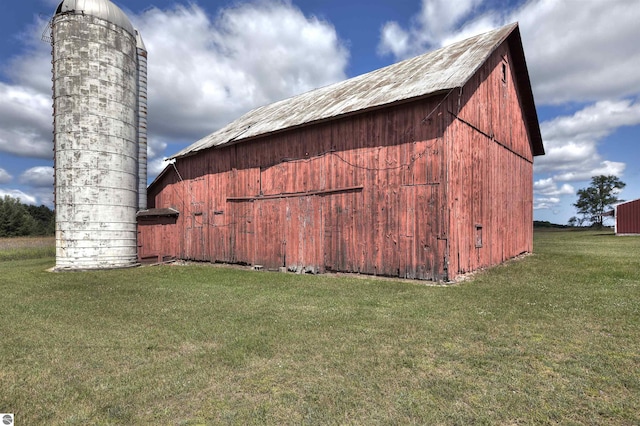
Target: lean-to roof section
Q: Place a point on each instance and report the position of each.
(434, 72)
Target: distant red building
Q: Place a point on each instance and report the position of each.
(423, 169)
(627, 217)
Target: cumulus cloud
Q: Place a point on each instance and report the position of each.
(546, 203)
(33, 69)
(547, 193)
(157, 165)
(155, 147)
(550, 188)
(575, 55)
(16, 193)
(204, 71)
(571, 142)
(430, 28)
(25, 121)
(5, 177)
(41, 176)
(569, 47)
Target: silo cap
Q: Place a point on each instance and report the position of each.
(103, 9)
(139, 42)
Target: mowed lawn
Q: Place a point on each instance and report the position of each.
(553, 338)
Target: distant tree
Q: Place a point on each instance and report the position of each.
(601, 194)
(44, 218)
(14, 219)
(19, 220)
(575, 221)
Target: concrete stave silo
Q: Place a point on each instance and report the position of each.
(96, 135)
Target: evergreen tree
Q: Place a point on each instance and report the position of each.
(19, 220)
(44, 218)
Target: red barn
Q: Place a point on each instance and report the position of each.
(423, 169)
(628, 218)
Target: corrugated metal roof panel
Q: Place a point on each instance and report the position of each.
(433, 72)
(102, 9)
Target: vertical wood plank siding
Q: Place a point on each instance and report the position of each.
(628, 218)
(490, 171)
(398, 191)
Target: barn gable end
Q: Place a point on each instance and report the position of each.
(490, 168)
(427, 187)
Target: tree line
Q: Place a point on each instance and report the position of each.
(21, 220)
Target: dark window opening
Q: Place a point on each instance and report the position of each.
(504, 72)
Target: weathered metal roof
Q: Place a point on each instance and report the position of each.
(437, 71)
(102, 9)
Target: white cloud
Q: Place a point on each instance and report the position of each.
(16, 193)
(547, 193)
(570, 47)
(434, 24)
(571, 142)
(546, 203)
(155, 147)
(594, 121)
(549, 187)
(204, 72)
(603, 168)
(157, 165)
(33, 68)
(44, 196)
(25, 122)
(5, 177)
(41, 176)
(395, 40)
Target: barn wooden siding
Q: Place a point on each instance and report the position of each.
(347, 195)
(427, 189)
(490, 164)
(628, 218)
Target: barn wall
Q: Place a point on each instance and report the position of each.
(156, 237)
(490, 170)
(361, 194)
(628, 218)
(161, 238)
(428, 189)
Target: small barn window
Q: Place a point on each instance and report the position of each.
(504, 72)
(478, 236)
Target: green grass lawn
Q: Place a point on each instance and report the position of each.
(553, 338)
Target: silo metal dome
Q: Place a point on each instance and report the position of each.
(96, 118)
(102, 9)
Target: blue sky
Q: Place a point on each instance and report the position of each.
(209, 62)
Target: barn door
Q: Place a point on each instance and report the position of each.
(270, 242)
(303, 241)
(418, 231)
(340, 213)
(195, 236)
(241, 237)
